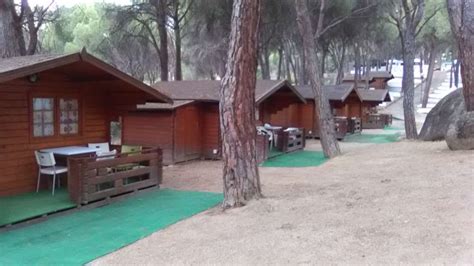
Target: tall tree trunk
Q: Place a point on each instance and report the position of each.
(356, 65)
(9, 35)
(456, 73)
(280, 60)
(408, 84)
(451, 71)
(237, 107)
(326, 121)
(340, 68)
(162, 9)
(429, 77)
(263, 62)
(461, 16)
(421, 74)
(178, 70)
(293, 67)
(178, 74)
(323, 62)
(287, 65)
(367, 74)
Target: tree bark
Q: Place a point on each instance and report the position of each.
(461, 16)
(340, 68)
(408, 84)
(9, 35)
(456, 72)
(429, 76)
(323, 62)
(410, 15)
(264, 64)
(178, 74)
(326, 121)
(356, 65)
(162, 9)
(280, 60)
(237, 107)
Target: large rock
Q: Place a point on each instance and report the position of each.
(444, 114)
(460, 135)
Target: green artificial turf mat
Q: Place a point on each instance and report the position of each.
(372, 138)
(83, 236)
(274, 152)
(28, 205)
(296, 159)
(392, 128)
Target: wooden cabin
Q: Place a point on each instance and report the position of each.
(343, 100)
(377, 80)
(51, 101)
(370, 99)
(380, 79)
(189, 128)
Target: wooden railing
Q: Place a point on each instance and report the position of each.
(354, 125)
(374, 121)
(93, 179)
(387, 119)
(289, 141)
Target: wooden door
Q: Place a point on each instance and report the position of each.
(188, 133)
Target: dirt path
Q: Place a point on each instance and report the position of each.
(406, 202)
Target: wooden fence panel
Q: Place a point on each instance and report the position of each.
(120, 174)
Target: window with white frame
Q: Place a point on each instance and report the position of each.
(69, 116)
(43, 117)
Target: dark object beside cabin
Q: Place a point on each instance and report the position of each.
(288, 141)
(342, 126)
(263, 148)
(354, 125)
(374, 121)
(88, 176)
(387, 119)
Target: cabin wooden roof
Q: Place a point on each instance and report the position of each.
(366, 95)
(164, 106)
(18, 67)
(333, 92)
(208, 90)
(372, 76)
(381, 74)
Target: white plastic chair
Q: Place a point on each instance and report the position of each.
(47, 166)
(104, 152)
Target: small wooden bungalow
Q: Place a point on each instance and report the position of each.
(370, 99)
(343, 99)
(50, 101)
(376, 79)
(189, 128)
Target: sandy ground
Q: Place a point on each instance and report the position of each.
(406, 202)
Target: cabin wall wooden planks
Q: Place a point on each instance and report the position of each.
(184, 133)
(99, 102)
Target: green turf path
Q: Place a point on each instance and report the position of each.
(274, 152)
(372, 138)
(82, 236)
(392, 128)
(28, 205)
(296, 159)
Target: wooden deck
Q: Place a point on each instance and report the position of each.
(91, 182)
(92, 179)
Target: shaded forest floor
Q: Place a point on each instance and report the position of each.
(404, 202)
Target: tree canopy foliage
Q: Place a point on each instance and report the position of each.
(176, 39)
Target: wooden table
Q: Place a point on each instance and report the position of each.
(71, 150)
(62, 153)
